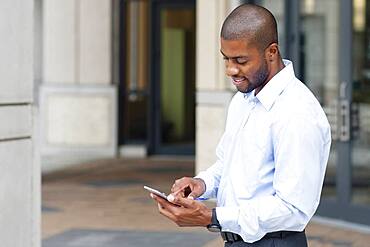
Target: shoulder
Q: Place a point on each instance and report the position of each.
(299, 109)
(298, 99)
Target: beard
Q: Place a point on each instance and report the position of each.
(259, 78)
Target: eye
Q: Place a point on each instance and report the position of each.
(241, 60)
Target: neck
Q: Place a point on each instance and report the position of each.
(280, 65)
(275, 68)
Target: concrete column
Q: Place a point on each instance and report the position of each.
(77, 97)
(214, 90)
(60, 41)
(95, 20)
(19, 176)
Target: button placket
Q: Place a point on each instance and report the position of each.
(245, 121)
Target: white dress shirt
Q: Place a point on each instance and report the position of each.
(271, 159)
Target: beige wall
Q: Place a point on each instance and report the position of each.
(77, 41)
(214, 90)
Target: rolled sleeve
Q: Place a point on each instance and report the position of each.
(211, 178)
(212, 175)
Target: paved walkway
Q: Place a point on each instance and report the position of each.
(103, 204)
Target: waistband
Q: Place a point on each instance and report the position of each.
(233, 237)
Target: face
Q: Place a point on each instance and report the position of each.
(245, 64)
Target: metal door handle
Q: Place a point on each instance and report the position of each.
(345, 120)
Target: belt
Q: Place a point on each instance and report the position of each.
(233, 237)
(230, 237)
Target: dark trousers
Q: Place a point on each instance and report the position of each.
(293, 240)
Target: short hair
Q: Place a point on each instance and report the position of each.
(253, 23)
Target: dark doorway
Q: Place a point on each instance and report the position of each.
(173, 77)
(157, 75)
(134, 72)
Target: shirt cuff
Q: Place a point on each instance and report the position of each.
(228, 218)
(209, 182)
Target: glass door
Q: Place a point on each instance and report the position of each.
(335, 64)
(360, 148)
(332, 57)
(134, 72)
(173, 78)
(319, 70)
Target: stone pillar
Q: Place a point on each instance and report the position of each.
(20, 175)
(214, 91)
(77, 96)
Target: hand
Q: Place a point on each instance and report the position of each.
(187, 187)
(184, 211)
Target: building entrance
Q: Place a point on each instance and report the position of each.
(157, 86)
(173, 75)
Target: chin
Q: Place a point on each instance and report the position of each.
(243, 89)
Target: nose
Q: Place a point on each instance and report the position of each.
(231, 69)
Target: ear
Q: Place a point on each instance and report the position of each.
(272, 52)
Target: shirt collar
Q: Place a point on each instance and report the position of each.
(276, 85)
(249, 95)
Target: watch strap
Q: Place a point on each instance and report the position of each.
(215, 224)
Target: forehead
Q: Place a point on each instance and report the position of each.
(239, 47)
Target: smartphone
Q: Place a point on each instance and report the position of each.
(164, 196)
(156, 192)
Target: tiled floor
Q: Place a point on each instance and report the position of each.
(103, 204)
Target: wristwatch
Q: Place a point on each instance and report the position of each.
(215, 225)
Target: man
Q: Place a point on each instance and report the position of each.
(273, 154)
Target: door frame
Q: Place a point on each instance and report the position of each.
(154, 128)
(122, 73)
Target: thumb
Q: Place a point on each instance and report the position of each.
(192, 195)
(185, 202)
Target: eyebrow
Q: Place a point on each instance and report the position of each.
(233, 57)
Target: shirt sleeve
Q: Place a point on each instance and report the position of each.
(301, 150)
(212, 175)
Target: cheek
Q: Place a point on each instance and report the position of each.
(247, 71)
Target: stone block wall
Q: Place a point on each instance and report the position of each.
(19, 176)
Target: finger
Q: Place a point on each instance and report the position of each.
(178, 193)
(193, 195)
(169, 206)
(170, 198)
(162, 210)
(157, 198)
(173, 188)
(160, 207)
(180, 184)
(176, 185)
(179, 190)
(185, 202)
(192, 192)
